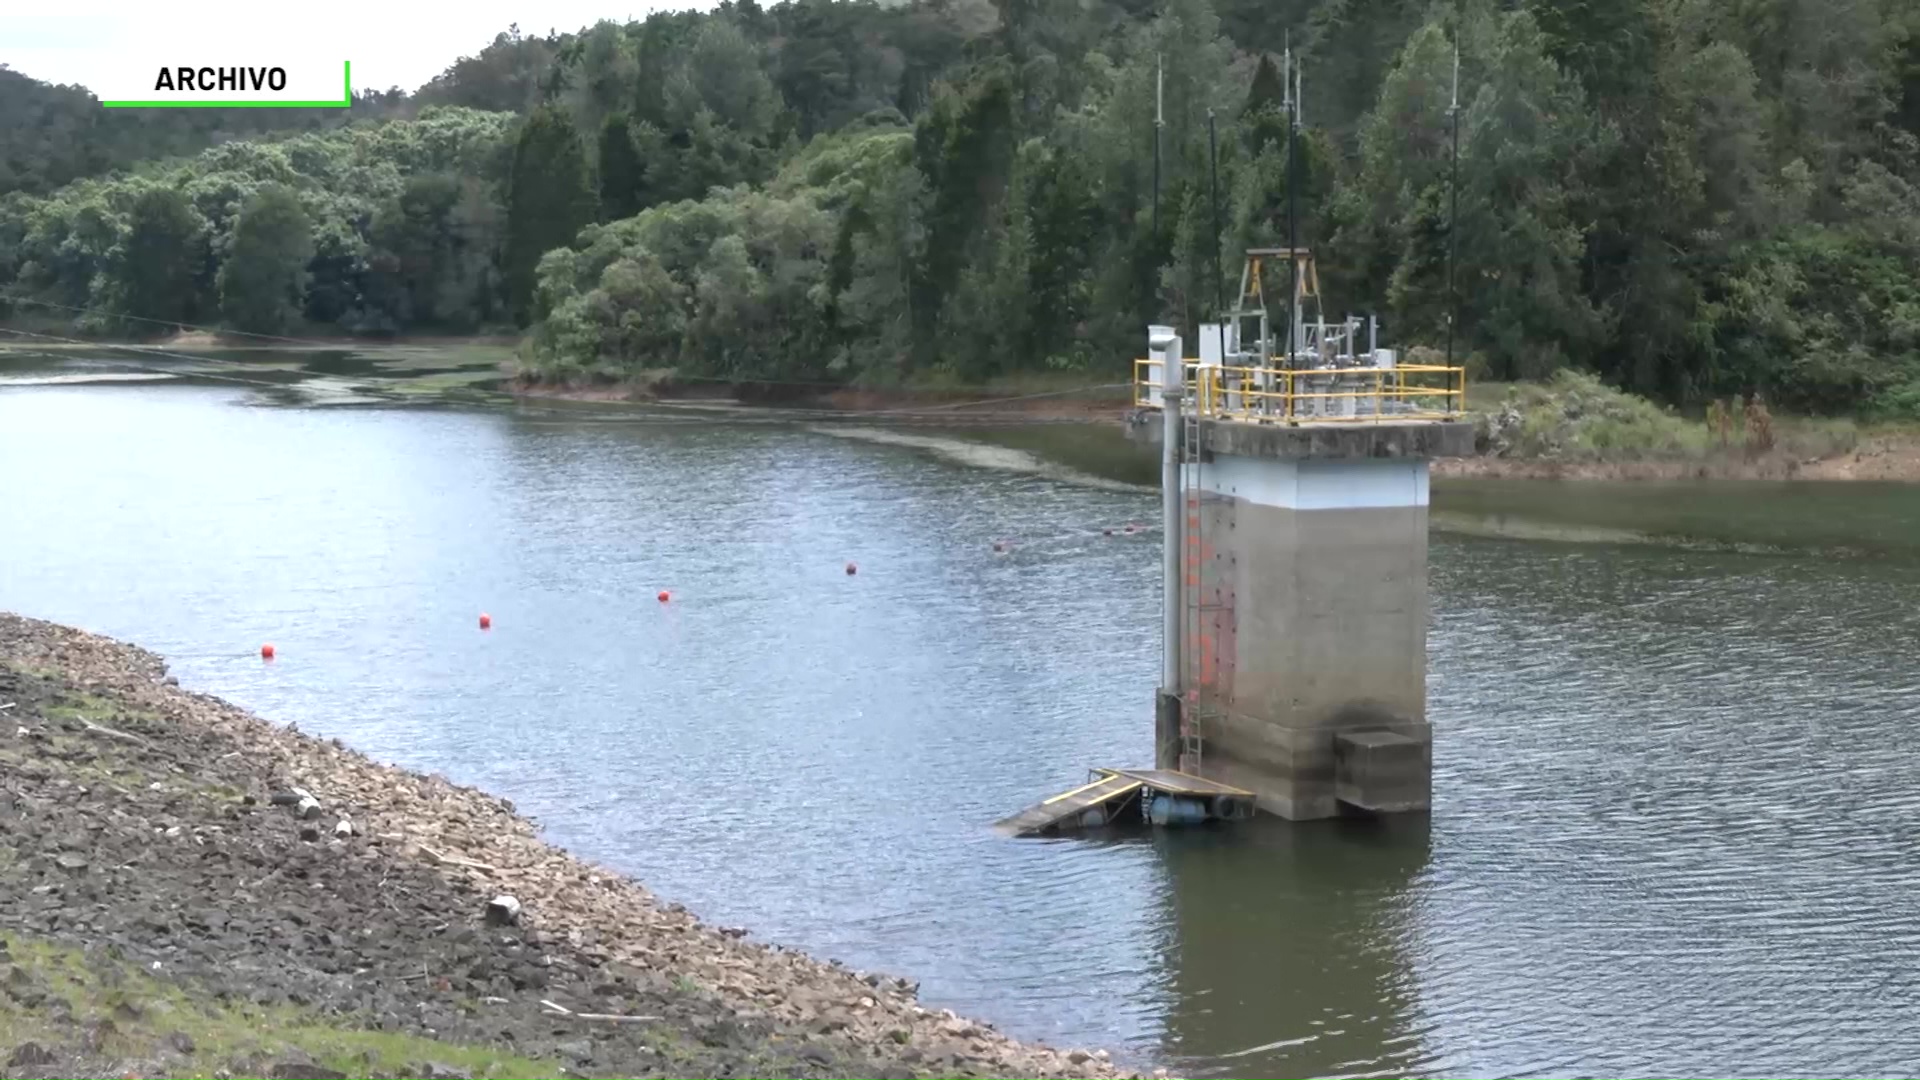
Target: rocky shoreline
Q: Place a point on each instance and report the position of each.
(192, 890)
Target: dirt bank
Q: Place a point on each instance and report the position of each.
(173, 907)
(1884, 457)
(1105, 404)
(205, 339)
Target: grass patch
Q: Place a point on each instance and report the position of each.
(149, 1019)
(454, 382)
(445, 357)
(73, 705)
(125, 1017)
(43, 672)
(1574, 416)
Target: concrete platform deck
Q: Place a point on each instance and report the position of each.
(1174, 782)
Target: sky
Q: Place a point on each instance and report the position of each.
(403, 43)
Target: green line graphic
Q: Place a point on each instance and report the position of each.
(346, 100)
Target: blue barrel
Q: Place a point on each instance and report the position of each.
(1093, 819)
(1168, 810)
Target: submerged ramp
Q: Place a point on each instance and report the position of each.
(1067, 807)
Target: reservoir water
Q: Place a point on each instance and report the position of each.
(1676, 825)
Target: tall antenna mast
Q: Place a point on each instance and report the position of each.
(1293, 264)
(1293, 207)
(1453, 200)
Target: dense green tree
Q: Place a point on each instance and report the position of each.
(52, 135)
(1063, 223)
(549, 199)
(1688, 197)
(1266, 25)
(506, 76)
(263, 282)
(434, 254)
(163, 260)
(1350, 46)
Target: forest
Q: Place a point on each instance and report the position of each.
(1686, 198)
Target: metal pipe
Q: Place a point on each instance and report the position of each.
(1213, 197)
(1170, 543)
(1219, 275)
(1163, 341)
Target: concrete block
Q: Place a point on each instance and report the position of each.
(1166, 730)
(1382, 771)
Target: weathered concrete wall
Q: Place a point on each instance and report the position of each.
(1314, 574)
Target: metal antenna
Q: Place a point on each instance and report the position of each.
(1453, 200)
(1286, 75)
(1286, 104)
(1293, 207)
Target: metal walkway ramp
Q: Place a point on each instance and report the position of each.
(1072, 808)
(1159, 796)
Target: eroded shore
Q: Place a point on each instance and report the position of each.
(1888, 457)
(173, 908)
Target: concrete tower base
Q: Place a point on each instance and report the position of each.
(1310, 619)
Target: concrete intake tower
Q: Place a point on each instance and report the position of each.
(1296, 493)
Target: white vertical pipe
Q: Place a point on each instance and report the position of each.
(1172, 384)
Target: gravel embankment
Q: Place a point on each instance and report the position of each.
(151, 830)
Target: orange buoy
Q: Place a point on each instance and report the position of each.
(852, 569)
(1129, 529)
(486, 621)
(266, 652)
(665, 596)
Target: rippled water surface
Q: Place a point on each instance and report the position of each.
(1676, 814)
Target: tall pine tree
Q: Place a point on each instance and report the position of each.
(549, 200)
(1264, 116)
(622, 173)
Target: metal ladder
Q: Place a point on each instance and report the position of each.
(1194, 660)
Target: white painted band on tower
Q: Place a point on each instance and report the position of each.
(1319, 485)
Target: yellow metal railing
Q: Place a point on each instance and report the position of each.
(1325, 396)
